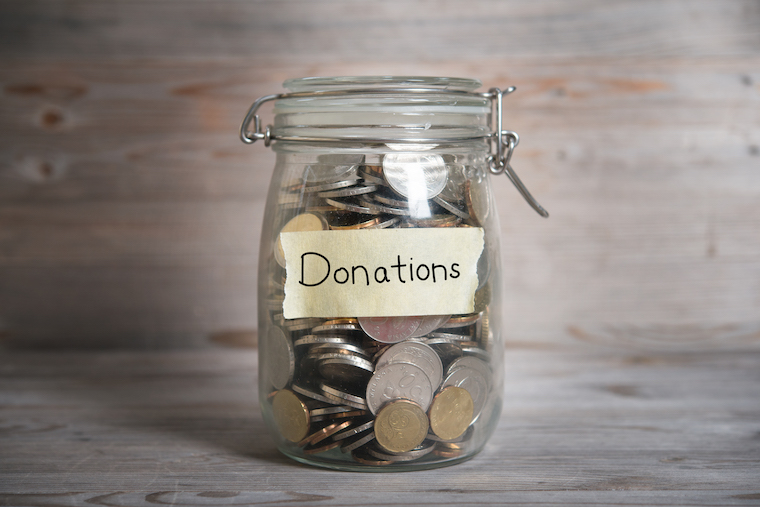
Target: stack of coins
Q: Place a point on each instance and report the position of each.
(385, 390)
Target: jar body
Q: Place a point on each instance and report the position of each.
(364, 361)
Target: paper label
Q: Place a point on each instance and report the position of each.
(381, 272)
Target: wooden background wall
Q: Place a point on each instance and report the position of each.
(130, 211)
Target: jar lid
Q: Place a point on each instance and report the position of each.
(383, 107)
(352, 82)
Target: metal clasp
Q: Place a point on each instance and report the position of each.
(506, 141)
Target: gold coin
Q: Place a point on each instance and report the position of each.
(290, 415)
(451, 412)
(400, 426)
(300, 223)
(478, 199)
(482, 298)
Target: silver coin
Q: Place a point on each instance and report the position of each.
(390, 329)
(353, 443)
(418, 354)
(399, 381)
(344, 368)
(311, 339)
(351, 206)
(335, 185)
(416, 453)
(477, 353)
(470, 362)
(349, 192)
(450, 336)
(339, 348)
(415, 175)
(350, 432)
(380, 208)
(329, 328)
(332, 167)
(384, 224)
(430, 323)
(451, 207)
(474, 382)
(448, 350)
(331, 410)
(281, 359)
(373, 180)
(454, 189)
(390, 201)
(342, 397)
(312, 394)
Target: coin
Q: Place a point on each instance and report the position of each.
(454, 189)
(390, 329)
(475, 382)
(461, 320)
(417, 176)
(344, 368)
(381, 208)
(341, 397)
(328, 187)
(451, 207)
(323, 433)
(476, 352)
(311, 339)
(450, 336)
(418, 354)
(356, 430)
(331, 410)
(291, 415)
(332, 167)
(349, 192)
(316, 449)
(311, 394)
(299, 223)
(430, 323)
(400, 426)
(281, 364)
(399, 380)
(451, 412)
(471, 362)
(396, 457)
(365, 458)
(352, 443)
(339, 415)
(362, 222)
(478, 199)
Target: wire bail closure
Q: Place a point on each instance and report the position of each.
(503, 142)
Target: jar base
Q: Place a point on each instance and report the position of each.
(336, 460)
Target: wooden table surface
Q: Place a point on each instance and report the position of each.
(586, 426)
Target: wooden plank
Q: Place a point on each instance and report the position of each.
(657, 235)
(586, 428)
(345, 30)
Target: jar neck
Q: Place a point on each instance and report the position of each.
(383, 109)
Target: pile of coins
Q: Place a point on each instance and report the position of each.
(384, 389)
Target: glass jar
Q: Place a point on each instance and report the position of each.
(380, 329)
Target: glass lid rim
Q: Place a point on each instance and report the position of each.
(304, 84)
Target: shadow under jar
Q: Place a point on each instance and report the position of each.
(379, 275)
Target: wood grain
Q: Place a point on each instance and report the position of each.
(182, 428)
(130, 212)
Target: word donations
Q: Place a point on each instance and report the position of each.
(381, 272)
